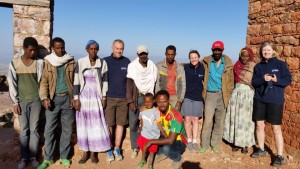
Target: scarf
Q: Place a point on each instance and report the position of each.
(59, 61)
(239, 66)
(143, 77)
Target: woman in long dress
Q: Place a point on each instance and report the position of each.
(90, 87)
(238, 125)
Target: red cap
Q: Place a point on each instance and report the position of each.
(218, 45)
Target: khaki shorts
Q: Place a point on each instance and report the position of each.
(116, 111)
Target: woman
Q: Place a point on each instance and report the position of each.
(90, 87)
(192, 107)
(238, 124)
(270, 77)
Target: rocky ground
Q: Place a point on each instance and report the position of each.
(224, 160)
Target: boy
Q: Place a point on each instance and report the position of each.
(23, 78)
(149, 130)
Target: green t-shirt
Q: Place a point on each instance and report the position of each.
(61, 85)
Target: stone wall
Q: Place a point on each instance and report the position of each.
(279, 21)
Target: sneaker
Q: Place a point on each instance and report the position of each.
(202, 150)
(141, 164)
(258, 153)
(109, 156)
(34, 163)
(22, 164)
(65, 162)
(45, 164)
(159, 157)
(134, 153)
(117, 153)
(215, 150)
(190, 146)
(195, 147)
(177, 165)
(278, 161)
(150, 166)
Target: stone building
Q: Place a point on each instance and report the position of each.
(279, 21)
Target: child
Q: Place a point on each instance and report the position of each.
(148, 118)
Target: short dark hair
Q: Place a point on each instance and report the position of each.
(171, 47)
(120, 41)
(149, 95)
(162, 92)
(57, 39)
(30, 41)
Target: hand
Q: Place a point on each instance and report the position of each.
(132, 107)
(274, 78)
(267, 77)
(17, 109)
(46, 103)
(104, 103)
(178, 105)
(76, 104)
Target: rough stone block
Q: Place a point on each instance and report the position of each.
(289, 28)
(296, 52)
(267, 6)
(295, 16)
(20, 9)
(39, 13)
(254, 7)
(253, 30)
(287, 50)
(292, 63)
(298, 27)
(276, 29)
(287, 40)
(273, 20)
(25, 25)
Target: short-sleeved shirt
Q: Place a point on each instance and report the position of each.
(172, 121)
(150, 118)
(215, 75)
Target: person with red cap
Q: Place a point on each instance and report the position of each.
(217, 88)
(238, 125)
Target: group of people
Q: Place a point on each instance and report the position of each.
(162, 103)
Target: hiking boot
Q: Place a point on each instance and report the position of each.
(159, 157)
(109, 156)
(45, 164)
(177, 165)
(117, 153)
(190, 146)
(215, 150)
(202, 150)
(22, 163)
(244, 150)
(34, 163)
(278, 161)
(258, 153)
(134, 153)
(195, 147)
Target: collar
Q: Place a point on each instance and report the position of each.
(165, 63)
(270, 60)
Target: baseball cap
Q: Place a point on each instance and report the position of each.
(141, 49)
(218, 45)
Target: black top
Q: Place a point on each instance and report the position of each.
(194, 81)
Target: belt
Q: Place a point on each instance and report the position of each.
(215, 91)
(62, 94)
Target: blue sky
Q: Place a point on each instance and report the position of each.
(188, 25)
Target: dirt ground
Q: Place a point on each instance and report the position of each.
(224, 160)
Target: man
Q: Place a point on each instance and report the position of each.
(174, 145)
(56, 92)
(23, 78)
(217, 88)
(171, 77)
(116, 110)
(141, 78)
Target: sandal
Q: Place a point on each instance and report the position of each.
(45, 164)
(141, 164)
(65, 162)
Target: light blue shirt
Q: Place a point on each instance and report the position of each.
(215, 75)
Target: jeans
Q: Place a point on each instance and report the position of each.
(134, 124)
(60, 108)
(29, 121)
(173, 151)
(212, 130)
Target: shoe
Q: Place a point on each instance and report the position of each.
(141, 164)
(33, 162)
(244, 150)
(202, 150)
(195, 147)
(258, 153)
(278, 161)
(45, 164)
(159, 157)
(117, 153)
(65, 162)
(134, 153)
(235, 149)
(150, 166)
(109, 156)
(22, 164)
(215, 150)
(177, 165)
(190, 146)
